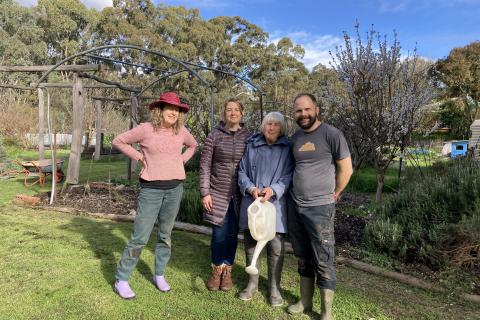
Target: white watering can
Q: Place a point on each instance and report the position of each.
(262, 225)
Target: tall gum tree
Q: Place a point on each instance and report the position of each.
(458, 76)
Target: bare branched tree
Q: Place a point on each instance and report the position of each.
(384, 94)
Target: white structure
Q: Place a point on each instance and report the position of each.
(62, 139)
(474, 142)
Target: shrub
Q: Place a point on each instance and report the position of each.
(3, 153)
(418, 222)
(190, 207)
(16, 120)
(194, 163)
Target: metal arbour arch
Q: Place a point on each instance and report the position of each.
(173, 73)
(188, 67)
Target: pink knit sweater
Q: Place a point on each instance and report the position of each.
(161, 150)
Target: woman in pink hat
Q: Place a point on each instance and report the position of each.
(161, 142)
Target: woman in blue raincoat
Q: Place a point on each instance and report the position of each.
(266, 171)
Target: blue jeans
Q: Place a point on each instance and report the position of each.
(224, 238)
(311, 231)
(154, 205)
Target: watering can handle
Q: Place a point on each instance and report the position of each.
(254, 222)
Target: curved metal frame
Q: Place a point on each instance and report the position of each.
(120, 46)
(185, 65)
(197, 66)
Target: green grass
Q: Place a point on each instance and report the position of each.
(57, 266)
(365, 180)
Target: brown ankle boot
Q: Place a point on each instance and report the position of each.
(226, 283)
(213, 283)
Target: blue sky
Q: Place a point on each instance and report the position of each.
(434, 27)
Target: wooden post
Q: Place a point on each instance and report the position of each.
(41, 123)
(98, 129)
(133, 112)
(77, 134)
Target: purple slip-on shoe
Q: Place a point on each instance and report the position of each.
(122, 288)
(161, 283)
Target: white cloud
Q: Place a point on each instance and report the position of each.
(97, 4)
(317, 47)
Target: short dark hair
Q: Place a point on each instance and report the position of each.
(306, 94)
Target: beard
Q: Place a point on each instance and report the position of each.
(309, 124)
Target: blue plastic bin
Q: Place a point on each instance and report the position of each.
(459, 148)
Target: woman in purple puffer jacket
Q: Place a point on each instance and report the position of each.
(221, 154)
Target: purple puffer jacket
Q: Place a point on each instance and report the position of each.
(221, 154)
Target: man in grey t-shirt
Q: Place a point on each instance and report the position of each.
(323, 168)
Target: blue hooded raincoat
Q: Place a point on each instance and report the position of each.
(262, 166)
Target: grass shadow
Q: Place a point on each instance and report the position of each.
(105, 244)
(195, 261)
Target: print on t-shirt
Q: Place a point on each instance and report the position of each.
(308, 146)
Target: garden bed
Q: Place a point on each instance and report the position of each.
(120, 199)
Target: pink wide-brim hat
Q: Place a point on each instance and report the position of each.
(169, 98)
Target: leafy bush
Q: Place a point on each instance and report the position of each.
(191, 205)
(16, 120)
(3, 153)
(414, 224)
(194, 163)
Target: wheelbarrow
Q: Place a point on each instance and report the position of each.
(40, 169)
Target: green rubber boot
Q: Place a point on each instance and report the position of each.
(275, 254)
(252, 286)
(327, 303)
(306, 297)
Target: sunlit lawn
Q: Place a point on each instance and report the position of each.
(58, 266)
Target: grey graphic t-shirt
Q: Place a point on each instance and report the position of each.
(315, 155)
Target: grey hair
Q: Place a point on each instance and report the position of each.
(276, 117)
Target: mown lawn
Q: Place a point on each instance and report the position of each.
(58, 266)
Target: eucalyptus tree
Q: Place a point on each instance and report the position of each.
(222, 44)
(458, 76)
(281, 74)
(324, 83)
(67, 26)
(383, 96)
(21, 41)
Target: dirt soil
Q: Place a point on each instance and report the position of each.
(119, 199)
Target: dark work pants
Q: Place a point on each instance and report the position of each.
(311, 231)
